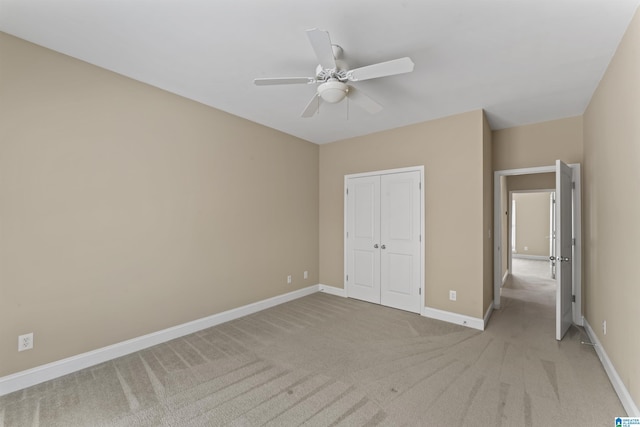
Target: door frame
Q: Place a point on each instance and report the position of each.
(577, 233)
(422, 223)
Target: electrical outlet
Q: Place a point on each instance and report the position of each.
(306, 274)
(452, 295)
(289, 279)
(25, 342)
(604, 327)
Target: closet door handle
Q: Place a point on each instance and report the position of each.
(383, 247)
(375, 246)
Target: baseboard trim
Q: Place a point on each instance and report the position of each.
(504, 278)
(623, 394)
(487, 315)
(49, 371)
(458, 319)
(332, 290)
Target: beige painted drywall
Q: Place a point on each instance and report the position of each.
(532, 223)
(125, 209)
(540, 144)
(451, 150)
(612, 209)
(536, 181)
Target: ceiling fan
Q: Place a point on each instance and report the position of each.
(333, 75)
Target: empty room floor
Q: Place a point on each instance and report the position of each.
(324, 360)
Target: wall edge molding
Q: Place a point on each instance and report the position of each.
(618, 385)
(458, 319)
(23, 379)
(487, 315)
(332, 290)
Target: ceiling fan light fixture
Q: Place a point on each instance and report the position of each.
(333, 91)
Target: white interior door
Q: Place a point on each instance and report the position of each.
(552, 235)
(564, 244)
(400, 241)
(363, 238)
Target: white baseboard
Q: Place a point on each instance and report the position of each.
(504, 278)
(623, 394)
(39, 374)
(458, 319)
(487, 315)
(341, 292)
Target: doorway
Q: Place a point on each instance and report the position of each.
(572, 239)
(531, 237)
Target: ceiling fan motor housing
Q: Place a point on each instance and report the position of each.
(338, 73)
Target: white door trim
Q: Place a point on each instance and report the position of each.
(577, 224)
(422, 222)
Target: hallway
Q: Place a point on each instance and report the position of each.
(531, 282)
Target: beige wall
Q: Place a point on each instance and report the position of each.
(125, 209)
(534, 181)
(451, 150)
(540, 144)
(532, 223)
(612, 209)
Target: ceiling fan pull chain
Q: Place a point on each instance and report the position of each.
(348, 108)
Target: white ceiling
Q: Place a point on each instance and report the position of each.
(523, 61)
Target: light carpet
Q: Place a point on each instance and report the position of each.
(323, 360)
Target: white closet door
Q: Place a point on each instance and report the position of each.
(363, 228)
(400, 241)
(383, 239)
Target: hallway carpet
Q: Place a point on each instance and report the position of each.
(323, 360)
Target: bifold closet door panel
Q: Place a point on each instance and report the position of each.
(400, 252)
(363, 239)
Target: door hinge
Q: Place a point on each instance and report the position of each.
(419, 186)
(573, 241)
(419, 237)
(347, 234)
(419, 291)
(347, 277)
(573, 184)
(573, 298)
(347, 191)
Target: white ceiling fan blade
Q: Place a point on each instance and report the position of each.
(363, 101)
(284, 81)
(382, 69)
(321, 44)
(312, 107)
